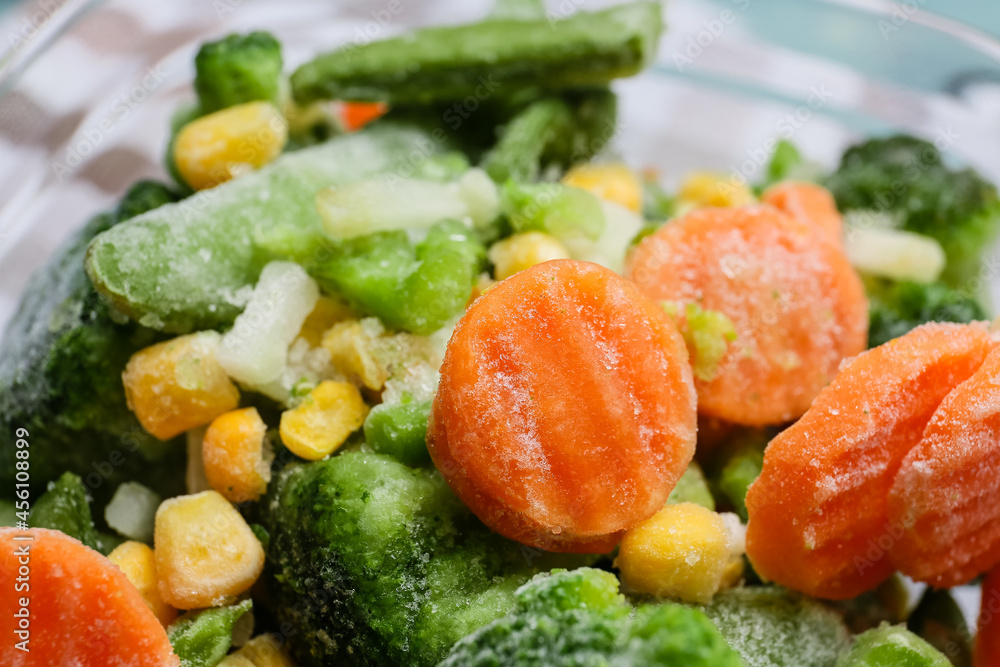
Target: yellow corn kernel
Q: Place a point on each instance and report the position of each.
(234, 455)
(261, 651)
(613, 182)
(206, 553)
(522, 251)
(177, 385)
(138, 563)
(703, 188)
(222, 145)
(351, 349)
(684, 551)
(320, 424)
(325, 314)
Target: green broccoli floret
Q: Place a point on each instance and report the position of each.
(897, 307)
(238, 69)
(61, 361)
(64, 507)
(144, 196)
(372, 562)
(772, 627)
(579, 618)
(906, 178)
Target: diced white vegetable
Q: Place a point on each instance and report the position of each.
(194, 478)
(481, 196)
(306, 367)
(383, 204)
(132, 511)
(620, 227)
(255, 350)
(895, 254)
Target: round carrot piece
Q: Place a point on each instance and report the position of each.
(946, 496)
(234, 457)
(808, 203)
(566, 410)
(819, 521)
(987, 652)
(82, 609)
(796, 304)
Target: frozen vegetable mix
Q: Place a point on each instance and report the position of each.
(380, 380)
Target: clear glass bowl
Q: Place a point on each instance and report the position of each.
(86, 97)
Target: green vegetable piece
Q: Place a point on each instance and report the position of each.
(906, 178)
(65, 507)
(563, 590)
(940, 622)
(61, 361)
(372, 562)
(772, 627)
(202, 639)
(740, 471)
(554, 208)
(192, 265)
(892, 646)
(144, 196)
(493, 57)
(785, 158)
(708, 334)
(895, 308)
(692, 488)
(518, 153)
(788, 164)
(400, 431)
(238, 69)
(657, 206)
(579, 618)
(552, 131)
(416, 288)
(672, 634)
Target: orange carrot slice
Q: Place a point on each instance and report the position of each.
(946, 496)
(797, 305)
(988, 638)
(808, 203)
(566, 410)
(819, 521)
(355, 115)
(83, 610)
